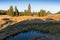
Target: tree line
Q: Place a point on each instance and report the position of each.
(28, 12)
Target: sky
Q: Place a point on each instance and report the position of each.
(36, 5)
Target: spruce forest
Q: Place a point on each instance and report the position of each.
(27, 12)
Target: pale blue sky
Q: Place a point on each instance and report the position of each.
(36, 5)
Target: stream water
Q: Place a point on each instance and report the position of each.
(27, 35)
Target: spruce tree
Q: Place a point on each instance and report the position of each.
(10, 11)
(42, 13)
(16, 11)
(25, 12)
(7, 12)
(29, 10)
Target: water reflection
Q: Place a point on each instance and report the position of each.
(26, 35)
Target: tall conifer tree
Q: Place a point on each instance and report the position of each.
(16, 11)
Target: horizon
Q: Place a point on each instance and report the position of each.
(36, 5)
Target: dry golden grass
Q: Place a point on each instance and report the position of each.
(17, 19)
(21, 18)
(54, 16)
